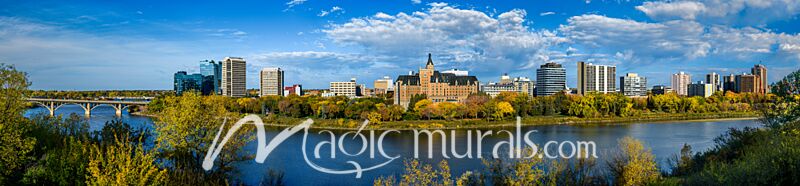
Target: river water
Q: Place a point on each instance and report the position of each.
(665, 139)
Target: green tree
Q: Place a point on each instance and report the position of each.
(14, 145)
(186, 128)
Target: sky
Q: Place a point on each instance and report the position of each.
(126, 45)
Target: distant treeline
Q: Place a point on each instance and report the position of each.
(482, 106)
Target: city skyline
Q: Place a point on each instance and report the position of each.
(121, 45)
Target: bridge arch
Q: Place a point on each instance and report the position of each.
(87, 105)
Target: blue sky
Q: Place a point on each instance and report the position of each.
(98, 45)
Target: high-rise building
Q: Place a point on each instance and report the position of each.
(271, 81)
(596, 78)
(761, 71)
(748, 83)
(438, 87)
(729, 83)
(192, 82)
(715, 81)
(344, 88)
(680, 83)
(214, 70)
(633, 85)
(382, 86)
(700, 89)
(234, 77)
(551, 78)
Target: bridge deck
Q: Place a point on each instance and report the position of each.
(89, 101)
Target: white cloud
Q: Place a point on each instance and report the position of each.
(668, 40)
(733, 12)
(334, 9)
(224, 33)
(293, 3)
(416, 1)
(467, 37)
(674, 44)
(546, 13)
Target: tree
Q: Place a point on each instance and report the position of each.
(475, 104)
(634, 165)
(186, 128)
(448, 110)
(502, 109)
(421, 105)
(123, 163)
(14, 145)
(414, 99)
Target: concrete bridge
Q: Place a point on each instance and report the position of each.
(88, 105)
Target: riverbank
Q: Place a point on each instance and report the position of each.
(348, 124)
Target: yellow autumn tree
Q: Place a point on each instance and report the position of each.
(502, 110)
(634, 165)
(123, 163)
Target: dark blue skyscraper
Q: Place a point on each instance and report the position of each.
(185, 82)
(213, 69)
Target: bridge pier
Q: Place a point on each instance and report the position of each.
(52, 108)
(118, 108)
(87, 109)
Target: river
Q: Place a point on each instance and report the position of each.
(665, 139)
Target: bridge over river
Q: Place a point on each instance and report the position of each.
(88, 105)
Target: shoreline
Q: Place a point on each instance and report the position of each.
(512, 123)
(324, 124)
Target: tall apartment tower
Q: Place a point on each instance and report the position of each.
(715, 81)
(761, 71)
(551, 78)
(633, 85)
(748, 83)
(271, 80)
(234, 77)
(680, 83)
(596, 78)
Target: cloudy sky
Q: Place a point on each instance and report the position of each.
(97, 45)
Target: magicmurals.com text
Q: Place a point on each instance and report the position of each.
(372, 143)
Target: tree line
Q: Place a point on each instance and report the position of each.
(481, 106)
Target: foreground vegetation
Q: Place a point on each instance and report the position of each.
(45, 150)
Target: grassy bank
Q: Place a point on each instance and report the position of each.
(527, 121)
